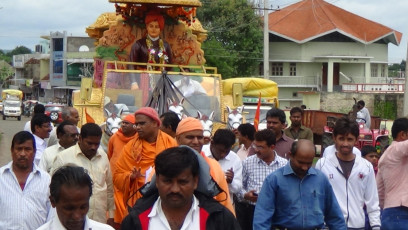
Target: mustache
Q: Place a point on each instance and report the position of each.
(175, 194)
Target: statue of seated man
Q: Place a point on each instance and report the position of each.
(151, 48)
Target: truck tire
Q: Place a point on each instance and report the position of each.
(19, 118)
(4, 117)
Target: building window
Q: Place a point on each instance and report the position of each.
(277, 69)
(383, 68)
(292, 69)
(58, 44)
(374, 70)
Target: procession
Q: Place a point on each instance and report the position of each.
(153, 137)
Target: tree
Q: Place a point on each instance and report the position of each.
(234, 44)
(5, 73)
(3, 56)
(8, 57)
(19, 50)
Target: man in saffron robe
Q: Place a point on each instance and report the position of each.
(118, 140)
(190, 132)
(137, 157)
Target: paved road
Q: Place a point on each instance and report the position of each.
(8, 128)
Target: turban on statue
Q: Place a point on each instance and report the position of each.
(150, 112)
(188, 124)
(155, 16)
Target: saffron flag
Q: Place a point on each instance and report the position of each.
(257, 113)
(89, 119)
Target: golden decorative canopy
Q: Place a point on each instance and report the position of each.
(185, 3)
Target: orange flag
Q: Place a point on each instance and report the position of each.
(257, 113)
(89, 119)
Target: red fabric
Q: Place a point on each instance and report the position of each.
(203, 218)
(257, 113)
(144, 219)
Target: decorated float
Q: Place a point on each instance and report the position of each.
(149, 54)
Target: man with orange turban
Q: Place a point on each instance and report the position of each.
(118, 140)
(137, 156)
(190, 132)
(151, 48)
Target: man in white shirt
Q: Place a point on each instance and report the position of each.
(86, 154)
(352, 178)
(24, 187)
(189, 87)
(220, 150)
(331, 150)
(177, 204)
(71, 189)
(41, 128)
(67, 134)
(246, 135)
(38, 109)
(68, 114)
(364, 114)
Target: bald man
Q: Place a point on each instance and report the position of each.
(190, 132)
(286, 195)
(68, 114)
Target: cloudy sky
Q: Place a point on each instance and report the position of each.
(22, 22)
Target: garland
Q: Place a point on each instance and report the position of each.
(162, 54)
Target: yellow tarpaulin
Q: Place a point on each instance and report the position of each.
(251, 87)
(14, 92)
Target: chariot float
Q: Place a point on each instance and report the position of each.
(148, 53)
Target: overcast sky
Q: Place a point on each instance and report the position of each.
(22, 22)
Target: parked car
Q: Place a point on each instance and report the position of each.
(54, 111)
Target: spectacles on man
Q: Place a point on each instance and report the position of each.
(46, 125)
(257, 147)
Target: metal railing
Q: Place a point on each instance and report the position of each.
(295, 81)
(374, 88)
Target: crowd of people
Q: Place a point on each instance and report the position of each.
(159, 174)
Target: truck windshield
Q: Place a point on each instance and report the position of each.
(11, 104)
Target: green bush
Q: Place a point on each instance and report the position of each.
(385, 109)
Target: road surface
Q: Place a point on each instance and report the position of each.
(8, 128)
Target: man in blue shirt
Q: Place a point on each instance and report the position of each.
(297, 196)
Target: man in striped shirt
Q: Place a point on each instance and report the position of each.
(24, 187)
(254, 171)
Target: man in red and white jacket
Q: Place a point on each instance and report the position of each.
(176, 204)
(352, 178)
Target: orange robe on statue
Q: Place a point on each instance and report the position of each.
(115, 146)
(140, 154)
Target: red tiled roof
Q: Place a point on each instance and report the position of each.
(33, 61)
(310, 19)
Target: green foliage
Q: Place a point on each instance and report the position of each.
(19, 50)
(385, 109)
(5, 57)
(8, 57)
(107, 53)
(395, 69)
(234, 43)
